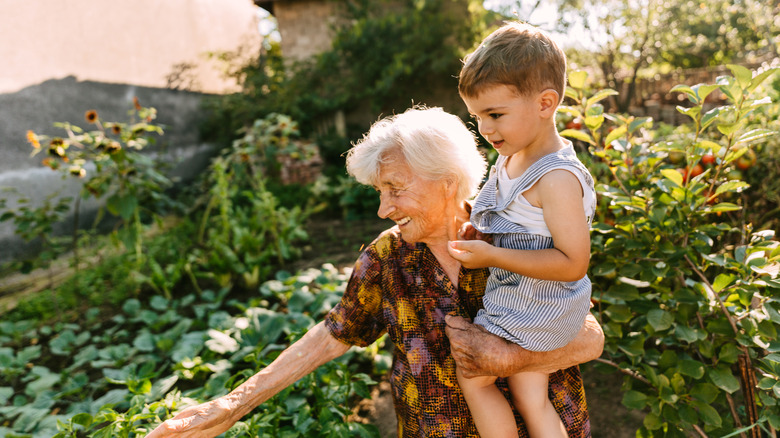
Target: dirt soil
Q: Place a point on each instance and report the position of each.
(340, 242)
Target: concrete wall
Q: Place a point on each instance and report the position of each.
(61, 58)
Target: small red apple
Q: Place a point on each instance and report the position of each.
(676, 156)
(696, 171)
(708, 159)
(747, 160)
(575, 123)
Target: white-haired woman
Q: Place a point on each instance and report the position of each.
(425, 165)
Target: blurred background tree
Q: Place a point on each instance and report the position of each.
(622, 40)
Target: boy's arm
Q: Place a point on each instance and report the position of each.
(478, 352)
(560, 195)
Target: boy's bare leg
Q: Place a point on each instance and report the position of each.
(492, 414)
(529, 394)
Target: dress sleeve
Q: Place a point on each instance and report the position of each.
(357, 318)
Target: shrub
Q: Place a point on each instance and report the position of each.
(687, 294)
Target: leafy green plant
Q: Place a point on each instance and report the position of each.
(687, 294)
(119, 376)
(37, 224)
(243, 228)
(132, 180)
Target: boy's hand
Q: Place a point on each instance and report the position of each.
(468, 232)
(471, 254)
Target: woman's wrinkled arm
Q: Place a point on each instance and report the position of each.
(210, 419)
(480, 353)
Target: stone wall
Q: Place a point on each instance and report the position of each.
(64, 57)
(306, 27)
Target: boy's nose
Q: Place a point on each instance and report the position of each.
(485, 128)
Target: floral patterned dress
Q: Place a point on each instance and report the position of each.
(400, 289)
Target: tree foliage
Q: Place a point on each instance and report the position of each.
(637, 38)
(384, 55)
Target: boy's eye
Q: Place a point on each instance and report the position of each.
(494, 115)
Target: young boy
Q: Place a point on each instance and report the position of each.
(538, 205)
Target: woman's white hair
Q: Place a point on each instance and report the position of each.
(436, 145)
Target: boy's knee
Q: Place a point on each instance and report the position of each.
(534, 402)
(467, 383)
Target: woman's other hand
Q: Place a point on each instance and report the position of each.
(478, 352)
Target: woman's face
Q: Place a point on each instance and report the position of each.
(416, 204)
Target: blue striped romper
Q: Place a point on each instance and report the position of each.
(538, 315)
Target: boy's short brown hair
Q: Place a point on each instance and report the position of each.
(518, 55)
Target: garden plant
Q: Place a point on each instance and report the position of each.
(686, 289)
(685, 282)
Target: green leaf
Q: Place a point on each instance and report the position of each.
(659, 319)
(693, 112)
(710, 146)
(601, 95)
(731, 186)
(708, 414)
(594, 122)
(753, 136)
(578, 135)
(673, 175)
(83, 419)
(742, 74)
(705, 392)
(122, 206)
(571, 93)
(692, 368)
(158, 303)
(686, 334)
(722, 281)
(687, 90)
(688, 414)
(634, 399)
(619, 313)
(728, 353)
(761, 77)
(723, 206)
(774, 315)
(639, 122)
(728, 129)
(574, 112)
(774, 357)
(615, 134)
(668, 359)
(723, 378)
(634, 347)
(704, 90)
(577, 78)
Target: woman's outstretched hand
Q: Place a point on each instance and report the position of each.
(202, 421)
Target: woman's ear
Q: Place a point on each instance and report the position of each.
(450, 187)
(548, 102)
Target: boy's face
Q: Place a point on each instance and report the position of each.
(509, 121)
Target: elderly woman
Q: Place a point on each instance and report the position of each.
(425, 165)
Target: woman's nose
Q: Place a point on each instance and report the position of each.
(386, 207)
